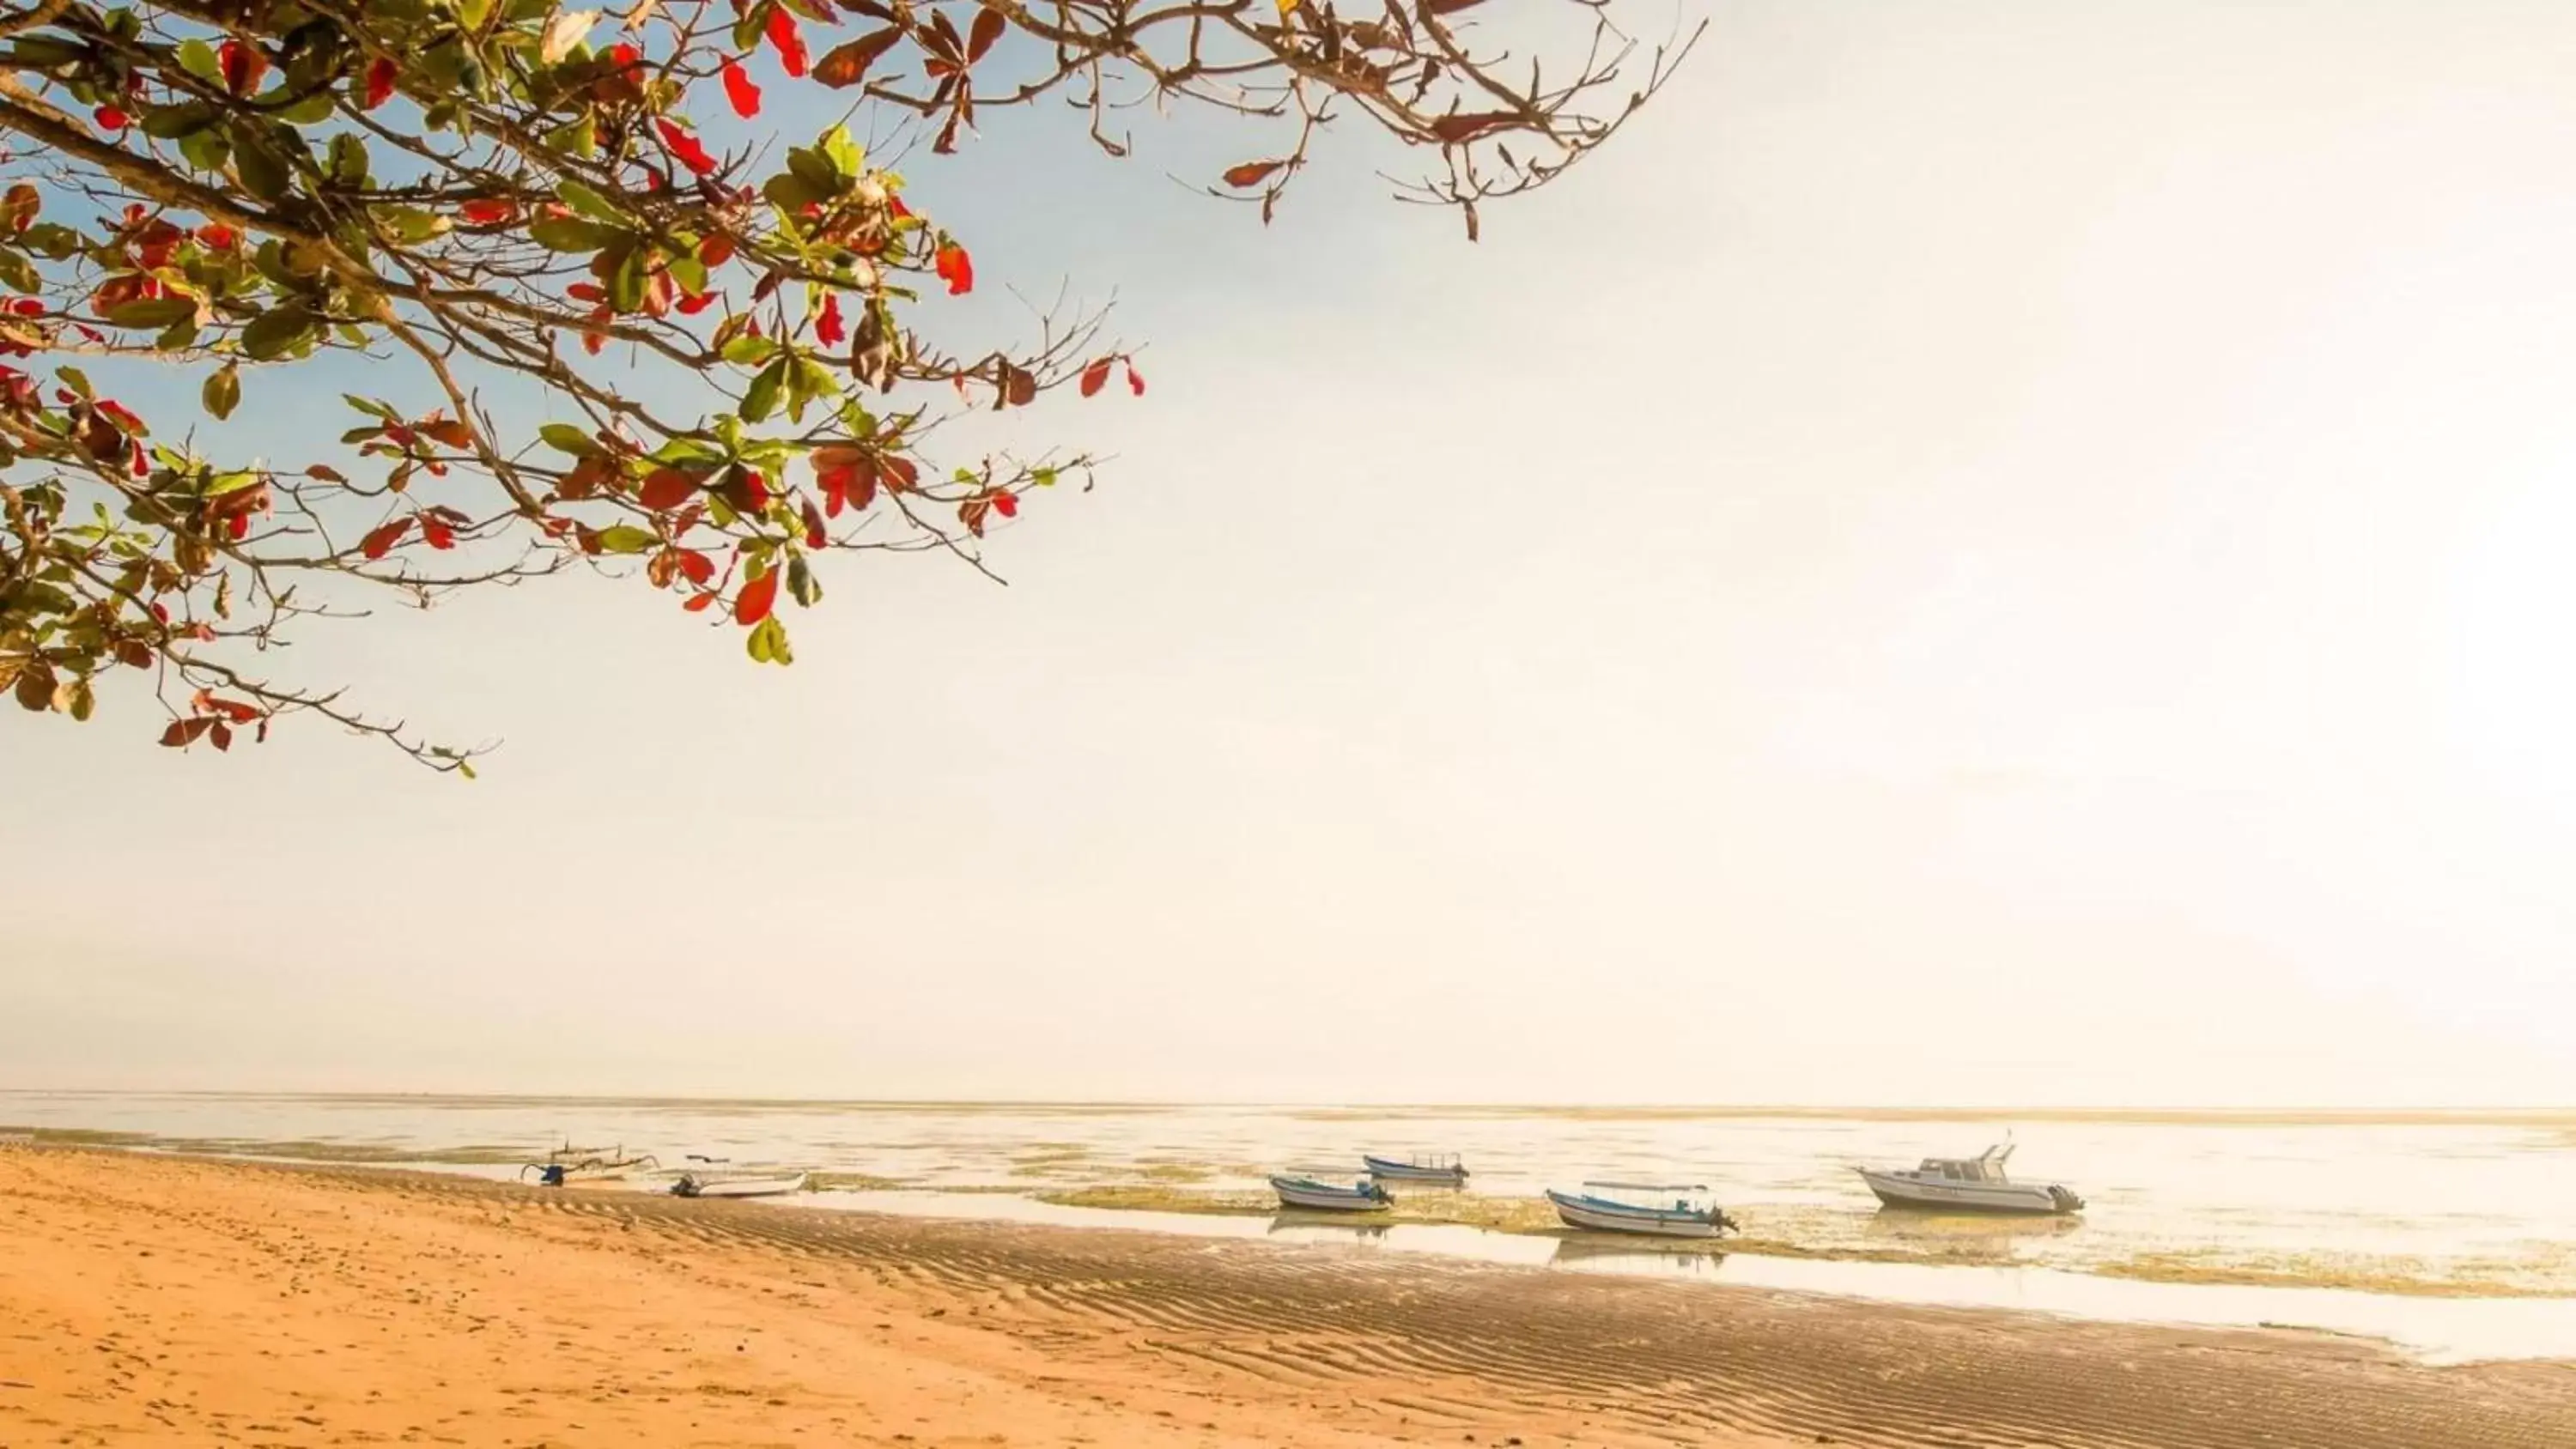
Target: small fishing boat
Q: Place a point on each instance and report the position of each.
(1364, 1196)
(576, 1164)
(1968, 1184)
(1641, 1209)
(1449, 1169)
(692, 1185)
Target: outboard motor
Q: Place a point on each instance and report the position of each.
(552, 1176)
(2067, 1202)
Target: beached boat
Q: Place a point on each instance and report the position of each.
(1968, 1184)
(692, 1185)
(1417, 1169)
(1306, 1192)
(1641, 1209)
(577, 1164)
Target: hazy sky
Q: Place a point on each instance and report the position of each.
(1985, 552)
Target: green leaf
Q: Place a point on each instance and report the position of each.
(578, 137)
(19, 273)
(743, 351)
(410, 223)
(349, 160)
(843, 153)
(789, 192)
(688, 271)
(76, 380)
(1043, 477)
(206, 150)
(564, 437)
(801, 586)
(761, 398)
(182, 333)
(625, 538)
(275, 334)
(312, 110)
(50, 240)
(198, 59)
(565, 234)
(767, 643)
(816, 171)
(590, 203)
(169, 123)
(222, 392)
(153, 311)
(261, 171)
(626, 283)
(371, 407)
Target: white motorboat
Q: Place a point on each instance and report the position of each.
(1305, 1192)
(692, 1185)
(1641, 1208)
(1968, 1184)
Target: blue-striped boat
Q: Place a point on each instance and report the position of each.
(1690, 1214)
(1306, 1192)
(1450, 1170)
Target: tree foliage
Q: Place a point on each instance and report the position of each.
(612, 338)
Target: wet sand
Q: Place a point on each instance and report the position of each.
(154, 1300)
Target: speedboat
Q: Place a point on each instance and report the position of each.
(1968, 1184)
(1656, 1209)
(1364, 1196)
(1417, 1169)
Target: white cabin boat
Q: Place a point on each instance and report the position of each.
(1305, 1192)
(692, 1185)
(1641, 1207)
(1968, 1184)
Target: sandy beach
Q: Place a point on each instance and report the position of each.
(158, 1300)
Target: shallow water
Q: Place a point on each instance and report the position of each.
(2464, 1212)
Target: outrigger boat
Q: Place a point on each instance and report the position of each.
(692, 1185)
(572, 1164)
(1450, 1169)
(1968, 1184)
(1305, 1192)
(1691, 1215)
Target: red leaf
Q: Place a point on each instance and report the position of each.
(1007, 504)
(789, 42)
(381, 540)
(716, 250)
(697, 603)
(815, 537)
(827, 327)
(1135, 380)
(243, 65)
(971, 513)
(752, 605)
(1251, 173)
(217, 235)
(988, 28)
(237, 527)
(437, 532)
(740, 91)
(222, 735)
(380, 84)
(184, 732)
(667, 488)
(489, 212)
(686, 147)
(847, 65)
(956, 269)
(1095, 377)
(696, 567)
(692, 306)
(109, 118)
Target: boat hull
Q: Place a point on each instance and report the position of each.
(1393, 1171)
(2017, 1199)
(1325, 1198)
(747, 1187)
(1594, 1215)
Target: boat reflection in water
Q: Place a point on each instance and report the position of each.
(1676, 1259)
(1320, 1228)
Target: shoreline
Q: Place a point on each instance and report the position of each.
(149, 1298)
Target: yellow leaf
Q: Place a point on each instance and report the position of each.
(1285, 6)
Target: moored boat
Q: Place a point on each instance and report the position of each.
(1690, 1213)
(1968, 1184)
(692, 1185)
(1305, 1192)
(1450, 1169)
